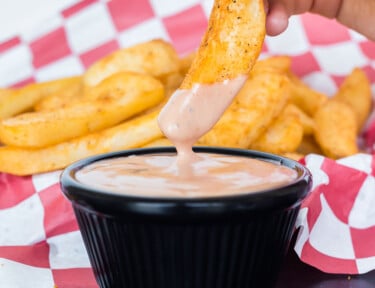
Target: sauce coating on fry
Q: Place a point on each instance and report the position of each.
(189, 114)
(228, 51)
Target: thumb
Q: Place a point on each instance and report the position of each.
(277, 20)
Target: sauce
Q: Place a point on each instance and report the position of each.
(159, 176)
(189, 114)
(186, 117)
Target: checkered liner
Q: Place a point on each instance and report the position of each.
(39, 237)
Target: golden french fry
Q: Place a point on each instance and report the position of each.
(185, 62)
(306, 121)
(356, 92)
(231, 44)
(309, 146)
(157, 58)
(70, 91)
(135, 93)
(226, 55)
(306, 98)
(159, 143)
(279, 64)
(116, 85)
(283, 135)
(130, 134)
(336, 129)
(293, 155)
(172, 82)
(16, 101)
(260, 100)
(10, 101)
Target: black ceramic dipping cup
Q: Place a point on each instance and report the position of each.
(235, 241)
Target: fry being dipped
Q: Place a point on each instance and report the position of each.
(223, 61)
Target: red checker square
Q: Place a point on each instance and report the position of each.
(58, 215)
(74, 278)
(315, 206)
(186, 29)
(320, 30)
(14, 189)
(341, 196)
(93, 55)
(127, 13)
(326, 263)
(304, 64)
(302, 161)
(370, 72)
(49, 48)
(368, 48)
(369, 136)
(77, 7)
(363, 242)
(4, 46)
(36, 255)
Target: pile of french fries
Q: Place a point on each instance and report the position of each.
(114, 105)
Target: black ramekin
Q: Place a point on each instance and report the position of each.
(219, 242)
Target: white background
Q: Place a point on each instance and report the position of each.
(16, 15)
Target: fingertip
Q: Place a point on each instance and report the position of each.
(277, 21)
(266, 6)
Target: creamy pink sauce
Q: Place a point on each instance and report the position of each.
(189, 114)
(159, 176)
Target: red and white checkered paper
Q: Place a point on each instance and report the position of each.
(40, 245)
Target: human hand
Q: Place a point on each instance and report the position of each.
(358, 15)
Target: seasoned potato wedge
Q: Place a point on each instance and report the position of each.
(16, 101)
(12, 103)
(306, 121)
(309, 146)
(283, 135)
(172, 82)
(185, 62)
(293, 155)
(305, 97)
(281, 64)
(71, 90)
(157, 58)
(356, 92)
(159, 143)
(110, 106)
(130, 134)
(336, 129)
(227, 51)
